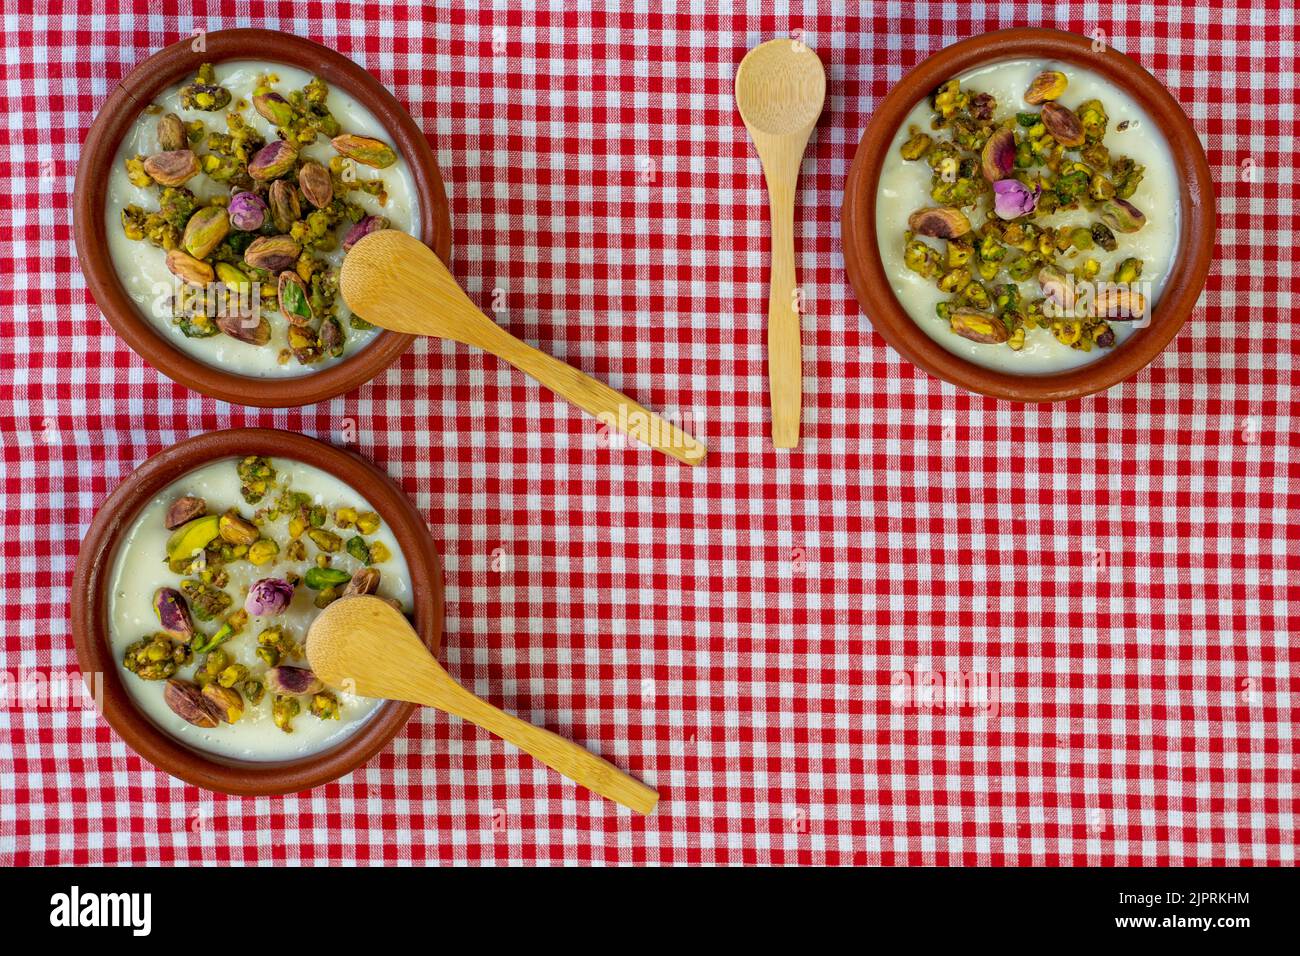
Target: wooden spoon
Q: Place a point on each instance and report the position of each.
(393, 280)
(366, 646)
(780, 89)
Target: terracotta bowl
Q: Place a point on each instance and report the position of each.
(858, 217)
(120, 111)
(90, 607)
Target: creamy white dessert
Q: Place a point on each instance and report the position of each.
(265, 648)
(389, 192)
(907, 186)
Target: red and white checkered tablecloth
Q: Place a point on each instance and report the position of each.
(740, 634)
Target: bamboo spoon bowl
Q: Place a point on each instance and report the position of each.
(366, 646)
(780, 91)
(395, 281)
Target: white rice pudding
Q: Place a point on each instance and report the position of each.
(141, 267)
(905, 187)
(141, 568)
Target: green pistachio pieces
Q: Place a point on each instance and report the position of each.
(283, 711)
(229, 628)
(255, 477)
(320, 578)
(327, 541)
(358, 548)
(204, 93)
(155, 658)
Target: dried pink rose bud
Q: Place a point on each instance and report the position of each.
(247, 211)
(268, 597)
(1013, 199)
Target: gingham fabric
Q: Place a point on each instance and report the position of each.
(758, 637)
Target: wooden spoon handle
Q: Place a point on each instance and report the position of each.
(610, 407)
(784, 345)
(562, 756)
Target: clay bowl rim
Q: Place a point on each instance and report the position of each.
(92, 579)
(136, 91)
(866, 271)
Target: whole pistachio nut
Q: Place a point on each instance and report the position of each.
(247, 211)
(1102, 236)
(978, 326)
(285, 209)
(188, 703)
(998, 159)
(287, 679)
(1113, 302)
(272, 253)
(362, 229)
(1062, 124)
(231, 277)
(331, 336)
(1048, 85)
(365, 581)
(235, 530)
(192, 537)
(364, 150)
(295, 304)
(173, 613)
(1058, 291)
(171, 133)
(173, 167)
(246, 328)
(183, 509)
(188, 269)
(940, 223)
(272, 161)
(274, 108)
(314, 180)
(224, 701)
(1122, 216)
(1116, 303)
(205, 230)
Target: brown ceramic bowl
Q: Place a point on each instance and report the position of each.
(858, 217)
(90, 628)
(179, 62)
